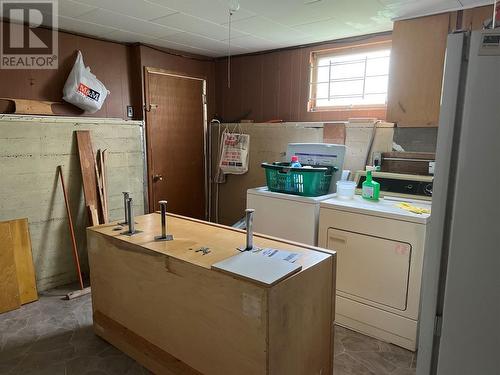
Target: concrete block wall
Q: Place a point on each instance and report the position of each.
(31, 148)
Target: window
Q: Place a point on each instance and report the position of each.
(349, 79)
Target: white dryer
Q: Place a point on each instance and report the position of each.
(380, 249)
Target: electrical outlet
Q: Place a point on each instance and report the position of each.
(130, 111)
(377, 159)
(432, 165)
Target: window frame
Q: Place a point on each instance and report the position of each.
(338, 51)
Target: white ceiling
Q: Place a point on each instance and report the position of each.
(201, 26)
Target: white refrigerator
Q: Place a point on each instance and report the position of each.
(460, 305)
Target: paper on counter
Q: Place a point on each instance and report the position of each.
(279, 254)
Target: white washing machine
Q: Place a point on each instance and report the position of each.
(287, 216)
(380, 249)
(293, 217)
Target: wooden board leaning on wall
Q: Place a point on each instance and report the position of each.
(17, 273)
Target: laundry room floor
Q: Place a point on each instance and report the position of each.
(54, 336)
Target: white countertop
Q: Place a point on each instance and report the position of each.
(385, 207)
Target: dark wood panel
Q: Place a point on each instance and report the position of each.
(275, 85)
(108, 61)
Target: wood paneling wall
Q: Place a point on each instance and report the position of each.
(275, 85)
(108, 61)
(118, 66)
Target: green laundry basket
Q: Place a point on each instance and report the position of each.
(307, 182)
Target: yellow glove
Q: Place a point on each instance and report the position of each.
(414, 209)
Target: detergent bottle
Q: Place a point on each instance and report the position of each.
(370, 188)
(295, 162)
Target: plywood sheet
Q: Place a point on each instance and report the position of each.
(202, 310)
(197, 315)
(9, 296)
(222, 244)
(295, 345)
(21, 244)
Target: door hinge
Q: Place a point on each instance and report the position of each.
(149, 107)
(204, 98)
(438, 323)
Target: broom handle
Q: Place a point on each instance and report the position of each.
(71, 231)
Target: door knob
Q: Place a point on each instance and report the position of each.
(157, 177)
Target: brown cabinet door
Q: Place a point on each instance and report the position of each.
(175, 131)
(416, 70)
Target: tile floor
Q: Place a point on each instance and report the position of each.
(54, 336)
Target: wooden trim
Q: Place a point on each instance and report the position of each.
(174, 73)
(348, 49)
(349, 108)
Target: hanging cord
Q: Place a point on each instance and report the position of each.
(372, 140)
(493, 24)
(234, 6)
(229, 51)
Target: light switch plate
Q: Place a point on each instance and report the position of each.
(130, 111)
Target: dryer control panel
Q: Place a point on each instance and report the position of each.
(400, 185)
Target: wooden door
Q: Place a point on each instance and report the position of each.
(175, 132)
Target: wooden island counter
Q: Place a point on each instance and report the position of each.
(165, 303)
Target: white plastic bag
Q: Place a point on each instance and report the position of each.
(83, 89)
(234, 153)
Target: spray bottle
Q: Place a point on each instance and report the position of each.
(370, 188)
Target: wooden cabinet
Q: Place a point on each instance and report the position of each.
(473, 19)
(176, 310)
(416, 71)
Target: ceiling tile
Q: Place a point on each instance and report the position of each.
(185, 48)
(201, 26)
(290, 12)
(128, 37)
(214, 10)
(136, 8)
(267, 29)
(202, 42)
(131, 24)
(73, 9)
(251, 42)
(196, 25)
(425, 7)
(83, 27)
(476, 3)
